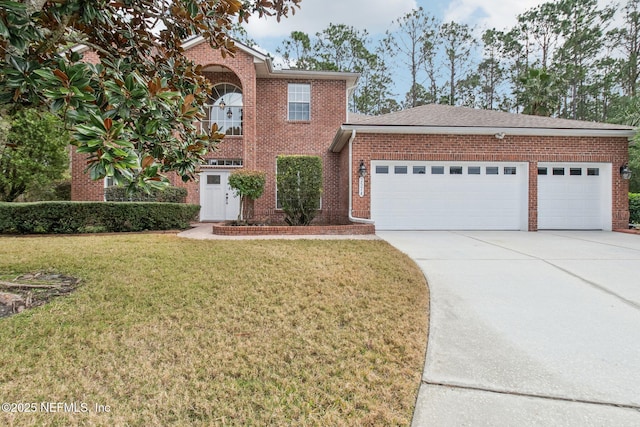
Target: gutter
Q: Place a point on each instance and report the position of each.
(479, 130)
(352, 218)
(339, 140)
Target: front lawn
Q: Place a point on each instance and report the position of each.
(169, 331)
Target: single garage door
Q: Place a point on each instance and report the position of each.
(414, 195)
(574, 196)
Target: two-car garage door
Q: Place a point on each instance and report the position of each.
(419, 195)
(449, 195)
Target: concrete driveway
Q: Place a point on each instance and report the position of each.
(529, 328)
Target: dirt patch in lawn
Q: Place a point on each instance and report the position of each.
(33, 290)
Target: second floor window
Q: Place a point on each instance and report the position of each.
(299, 99)
(225, 109)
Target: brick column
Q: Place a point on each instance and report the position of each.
(533, 196)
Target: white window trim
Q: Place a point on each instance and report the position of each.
(210, 105)
(308, 119)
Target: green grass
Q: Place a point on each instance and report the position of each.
(169, 331)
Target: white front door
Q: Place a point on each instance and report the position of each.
(218, 202)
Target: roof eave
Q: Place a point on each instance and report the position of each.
(481, 130)
(188, 44)
(340, 140)
(350, 78)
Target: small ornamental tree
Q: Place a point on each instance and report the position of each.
(249, 186)
(299, 183)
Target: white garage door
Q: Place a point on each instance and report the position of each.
(574, 196)
(413, 195)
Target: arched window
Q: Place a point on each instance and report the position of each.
(225, 109)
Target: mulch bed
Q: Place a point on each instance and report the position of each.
(33, 290)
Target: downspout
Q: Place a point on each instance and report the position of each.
(352, 218)
(349, 92)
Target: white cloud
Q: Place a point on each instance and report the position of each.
(498, 14)
(315, 15)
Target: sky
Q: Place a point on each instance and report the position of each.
(376, 16)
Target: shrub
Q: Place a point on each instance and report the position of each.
(83, 217)
(634, 208)
(62, 190)
(50, 191)
(249, 185)
(634, 165)
(168, 195)
(299, 183)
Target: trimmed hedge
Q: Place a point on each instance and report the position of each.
(634, 208)
(299, 183)
(93, 217)
(168, 195)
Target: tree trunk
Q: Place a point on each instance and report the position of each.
(247, 208)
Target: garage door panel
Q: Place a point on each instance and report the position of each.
(448, 201)
(578, 199)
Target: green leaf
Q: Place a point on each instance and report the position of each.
(4, 31)
(57, 105)
(13, 6)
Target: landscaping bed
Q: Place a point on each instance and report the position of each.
(229, 229)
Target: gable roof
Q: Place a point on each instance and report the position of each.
(264, 65)
(446, 119)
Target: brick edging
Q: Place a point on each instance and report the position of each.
(223, 229)
(627, 231)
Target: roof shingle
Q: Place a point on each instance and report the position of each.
(437, 115)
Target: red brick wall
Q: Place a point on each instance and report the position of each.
(267, 132)
(533, 195)
(239, 70)
(277, 136)
(343, 184)
(82, 187)
(487, 148)
(275, 230)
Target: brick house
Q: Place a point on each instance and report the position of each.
(431, 167)
(264, 113)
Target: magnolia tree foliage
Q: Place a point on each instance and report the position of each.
(134, 112)
(249, 186)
